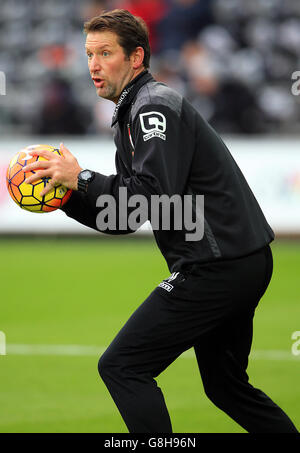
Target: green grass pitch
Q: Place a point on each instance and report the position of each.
(80, 292)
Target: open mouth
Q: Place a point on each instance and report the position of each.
(98, 82)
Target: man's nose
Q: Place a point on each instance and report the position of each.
(94, 65)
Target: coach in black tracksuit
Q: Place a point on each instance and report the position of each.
(165, 147)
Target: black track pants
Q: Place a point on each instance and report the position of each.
(212, 312)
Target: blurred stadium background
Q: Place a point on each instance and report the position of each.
(65, 290)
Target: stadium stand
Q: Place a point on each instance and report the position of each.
(232, 59)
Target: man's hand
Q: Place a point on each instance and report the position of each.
(62, 170)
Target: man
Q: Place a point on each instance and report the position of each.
(164, 147)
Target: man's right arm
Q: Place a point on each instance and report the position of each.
(82, 207)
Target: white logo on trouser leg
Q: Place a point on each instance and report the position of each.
(173, 276)
(166, 285)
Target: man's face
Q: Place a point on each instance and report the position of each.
(109, 67)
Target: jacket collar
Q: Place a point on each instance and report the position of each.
(128, 94)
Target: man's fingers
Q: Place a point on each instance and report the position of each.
(44, 153)
(38, 175)
(36, 166)
(50, 185)
(65, 151)
(58, 170)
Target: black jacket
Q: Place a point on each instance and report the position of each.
(164, 146)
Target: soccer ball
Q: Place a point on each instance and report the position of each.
(27, 196)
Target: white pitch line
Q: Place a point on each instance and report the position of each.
(57, 349)
(81, 350)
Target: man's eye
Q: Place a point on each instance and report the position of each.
(105, 53)
(89, 55)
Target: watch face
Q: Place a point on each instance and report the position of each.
(86, 175)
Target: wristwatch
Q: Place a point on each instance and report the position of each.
(84, 178)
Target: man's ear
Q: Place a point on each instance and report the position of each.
(137, 57)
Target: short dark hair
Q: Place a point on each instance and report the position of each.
(131, 30)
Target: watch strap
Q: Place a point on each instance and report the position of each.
(83, 183)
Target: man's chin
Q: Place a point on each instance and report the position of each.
(100, 92)
(104, 94)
